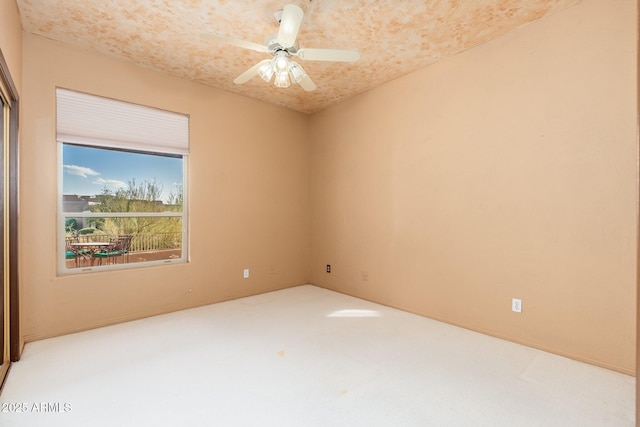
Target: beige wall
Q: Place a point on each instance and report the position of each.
(506, 171)
(10, 39)
(248, 187)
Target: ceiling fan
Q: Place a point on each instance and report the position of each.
(282, 46)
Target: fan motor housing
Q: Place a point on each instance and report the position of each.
(274, 46)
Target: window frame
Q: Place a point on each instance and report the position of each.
(62, 268)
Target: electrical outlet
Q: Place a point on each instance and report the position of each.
(246, 273)
(516, 305)
(365, 276)
(328, 268)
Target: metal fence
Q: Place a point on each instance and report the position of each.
(142, 241)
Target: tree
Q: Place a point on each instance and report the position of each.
(139, 197)
(70, 225)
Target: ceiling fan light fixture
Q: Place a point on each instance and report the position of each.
(297, 72)
(282, 80)
(281, 62)
(266, 71)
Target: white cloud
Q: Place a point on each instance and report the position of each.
(79, 171)
(110, 182)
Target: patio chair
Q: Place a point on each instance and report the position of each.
(111, 252)
(74, 252)
(125, 246)
(71, 253)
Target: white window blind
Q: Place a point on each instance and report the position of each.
(93, 120)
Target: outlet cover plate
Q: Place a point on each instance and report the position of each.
(516, 305)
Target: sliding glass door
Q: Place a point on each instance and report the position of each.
(9, 333)
(4, 297)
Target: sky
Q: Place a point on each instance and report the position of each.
(87, 171)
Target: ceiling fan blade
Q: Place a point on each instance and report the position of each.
(328, 55)
(289, 25)
(250, 73)
(307, 84)
(235, 42)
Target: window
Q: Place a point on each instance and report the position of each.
(122, 193)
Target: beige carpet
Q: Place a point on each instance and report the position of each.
(304, 357)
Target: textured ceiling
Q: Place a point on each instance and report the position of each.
(394, 37)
